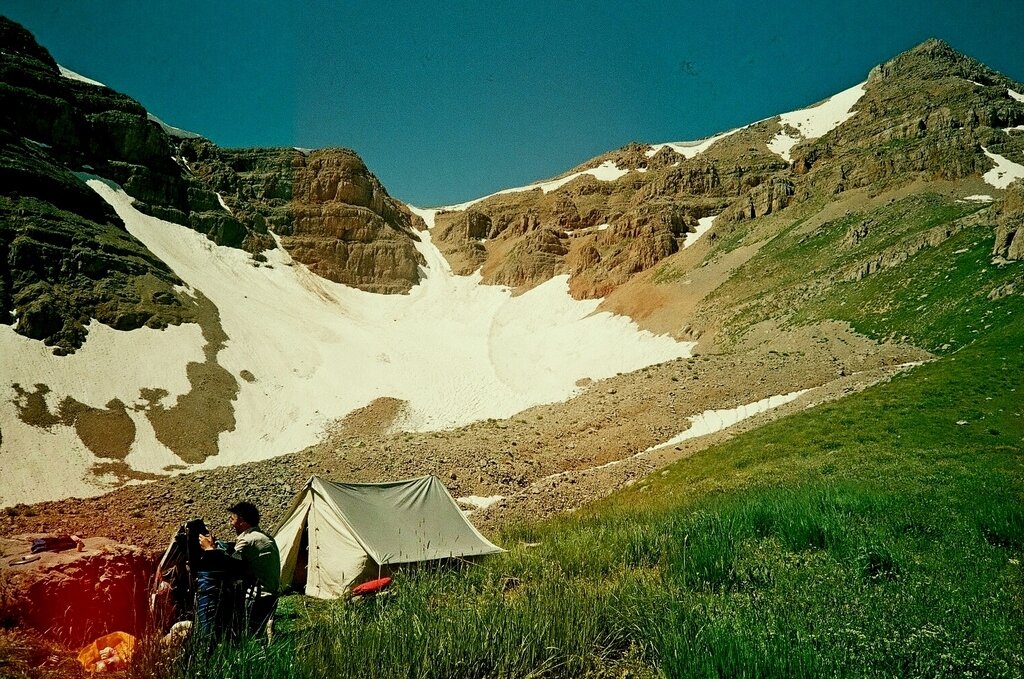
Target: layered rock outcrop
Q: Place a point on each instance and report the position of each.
(1009, 218)
(330, 212)
(347, 229)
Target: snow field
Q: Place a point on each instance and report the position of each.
(1004, 172)
(45, 464)
(455, 350)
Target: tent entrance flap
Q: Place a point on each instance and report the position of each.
(292, 540)
(335, 557)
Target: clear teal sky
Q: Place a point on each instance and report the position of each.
(451, 101)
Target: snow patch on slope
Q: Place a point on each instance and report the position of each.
(220, 199)
(587, 229)
(172, 131)
(427, 214)
(690, 149)
(703, 226)
(1004, 172)
(710, 421)
(455, 350)
(71, 75)
(782, 143)
(479, 502)
(816, 121)
(608, 171)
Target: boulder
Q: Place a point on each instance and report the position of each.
(75, 596)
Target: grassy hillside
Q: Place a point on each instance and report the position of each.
(879, 535)
(916, 269)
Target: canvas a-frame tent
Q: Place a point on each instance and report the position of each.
(339, 534)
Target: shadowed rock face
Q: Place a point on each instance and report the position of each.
(66, 258)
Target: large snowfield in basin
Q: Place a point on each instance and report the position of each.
(305, 352)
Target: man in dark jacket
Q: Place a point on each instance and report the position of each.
(252, 568)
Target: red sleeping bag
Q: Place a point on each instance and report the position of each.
(371, 587)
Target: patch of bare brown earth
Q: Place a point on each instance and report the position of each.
(107, 433)
(72, 595)
(192, 426)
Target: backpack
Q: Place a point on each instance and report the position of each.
(173, 595)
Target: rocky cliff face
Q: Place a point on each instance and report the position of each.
(331, 213)
(1009, 219)
(65, 257)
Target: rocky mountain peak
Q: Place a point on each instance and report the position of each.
(17, 40)
(935, 48)
(932, 59)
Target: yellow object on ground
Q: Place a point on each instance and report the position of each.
(108, 653)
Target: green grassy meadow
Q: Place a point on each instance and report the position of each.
(881, 535)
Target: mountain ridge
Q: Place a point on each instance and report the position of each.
(768, 185)
(55, 123)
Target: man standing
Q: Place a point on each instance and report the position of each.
(253, 566)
